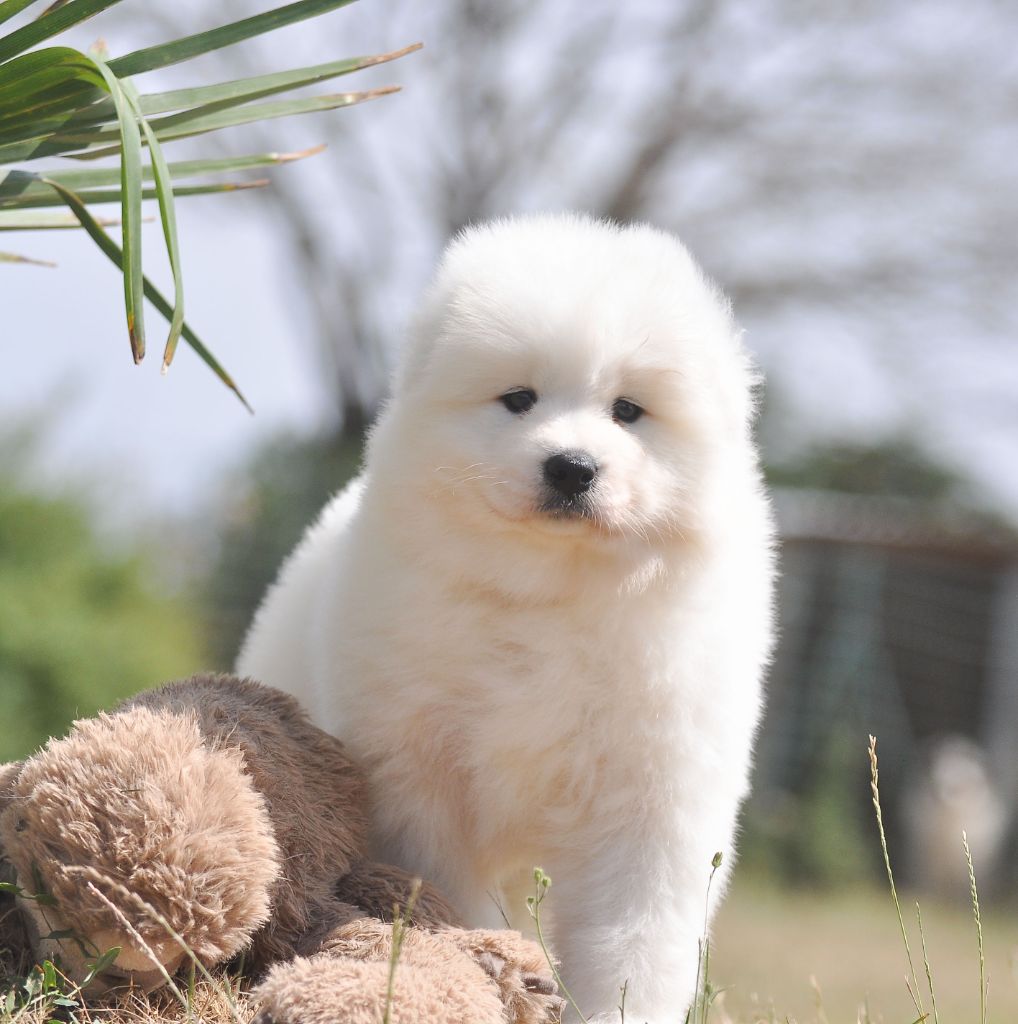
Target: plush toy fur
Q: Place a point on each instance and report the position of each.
(212, 808)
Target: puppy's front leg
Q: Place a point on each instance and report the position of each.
(629, 916)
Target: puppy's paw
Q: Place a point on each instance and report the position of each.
(520, 970)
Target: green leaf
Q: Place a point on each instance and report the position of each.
(27, 74)
(259, 86)
(13, 257)
(56, 5)
(92, 197)
(20, 189)
(168, 217)
(50, 25)
(183, 128)
(113, 251)
(102, 962)
(24, 135)
(75, 104)
(165, 54)
(30, 220)
(37, 147)
(11, 7)
(130, 186)
(82, 146)
(239, 90)
(53, 108)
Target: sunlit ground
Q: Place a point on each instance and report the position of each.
(768, 943)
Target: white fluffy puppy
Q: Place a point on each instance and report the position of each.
(541, 615)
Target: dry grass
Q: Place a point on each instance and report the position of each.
(27, 996)
(768, 943)
(206, 1003)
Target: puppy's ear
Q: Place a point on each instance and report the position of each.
(425, 329)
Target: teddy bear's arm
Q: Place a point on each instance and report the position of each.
(325, 989)
(8, 773)
(449, 976)
(378, 888)
(15, 945)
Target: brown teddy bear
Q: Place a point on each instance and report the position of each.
(210, 813)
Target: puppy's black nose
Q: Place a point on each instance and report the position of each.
(570, 473)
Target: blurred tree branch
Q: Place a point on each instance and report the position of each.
(810, 153)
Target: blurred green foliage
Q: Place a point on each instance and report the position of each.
(895, 467)
(80, 627)
(821, 837)
(269, 505)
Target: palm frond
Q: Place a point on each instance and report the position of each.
(59, 101)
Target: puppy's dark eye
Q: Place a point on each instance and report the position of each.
(519, 401)
(625, 411)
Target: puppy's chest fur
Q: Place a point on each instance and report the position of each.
(524, 718)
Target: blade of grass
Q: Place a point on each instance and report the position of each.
(51, 109)
(30, 220)
(183, 128)
(50, 25)
(82, 146)
(56, 5)
(192, 168)
(9, 8)
(168, 217)
(165, 54)
(701, 995)
(130, 187)
(974, 894)
(40, 92)
(926, 963)
(875, 790)
(24, 75)
(115, 254)
(57, 104)
(401, 919)
(25, 138)
(13, 257)
(93, 197)
(264, 85)
(24, 188)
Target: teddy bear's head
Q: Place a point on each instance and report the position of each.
(133, 830)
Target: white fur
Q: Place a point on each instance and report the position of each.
(579, 694)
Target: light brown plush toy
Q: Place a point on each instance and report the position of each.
(210, 812)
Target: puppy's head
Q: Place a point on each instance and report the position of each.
(568, 376)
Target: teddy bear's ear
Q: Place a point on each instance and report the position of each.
(8, 776)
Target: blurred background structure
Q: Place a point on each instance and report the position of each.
(845, 170)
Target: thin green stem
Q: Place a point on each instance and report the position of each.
(926, 963)
(974, 893)
(700, 1002)
(400, 921)
(534, 908)
(875, 789)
